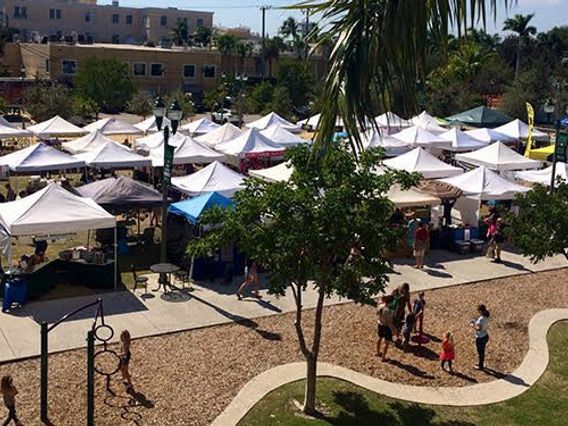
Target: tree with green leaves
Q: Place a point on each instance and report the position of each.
(260, 99)
(226, 43)
(184, 100)
(519, 24)
(180, 32)
(105, 81)
(244, 50)
(140, 104)
(271, 51)
(299, 79)
(540, 229)
(203, 36)
(281, 103)
(43, 100)
(85, 107)
(380, 53)
(326, 229)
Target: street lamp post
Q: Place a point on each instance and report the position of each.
(549, 110)
(241, 79)
(174, 114)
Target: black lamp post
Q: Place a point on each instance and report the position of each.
(174, 114)
(242, 79)
(549, 110)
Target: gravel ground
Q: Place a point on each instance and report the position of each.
(188, 378)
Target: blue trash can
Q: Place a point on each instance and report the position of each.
(15, 291)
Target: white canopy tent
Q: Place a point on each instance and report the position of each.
(488, 135)
(112, 126)
(417, 136)
(6, 123)
(56, 127)
(484, 184)
(312, 122)
(149, 125)
(283, 137)
(52, 210)
(392, 146)
(461, 141)
(271, 119)
(155, 140)
(39, 158)
(200, 127)
(544, 176)
(420, 161)
(93, 140)
(226, 132)
(517, 129)
(390, 119)
(411, 197)
(113, 156)
(187, 151)
(9, 131)
(279, 173)
(427, 122)
(216, 177)
(498, 157)
(250, 142)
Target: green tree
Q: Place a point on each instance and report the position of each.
(226, 43)
(140, 104)
(203, 36)
(520, 24)
(244, 50)
(105, 81)
(185, 101)
(271, 51)
(380, 53)
(43, 100)
(3, 105)
(289, 28)
(298, 78)
(540, 229)
(281, 102)
(180, 32)
(532, 85)
(84, 107)
(301, 232)
(260, 99)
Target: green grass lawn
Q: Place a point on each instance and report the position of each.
(344, 404)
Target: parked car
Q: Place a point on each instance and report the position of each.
(225, 116)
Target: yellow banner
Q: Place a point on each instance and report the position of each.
(530, 114)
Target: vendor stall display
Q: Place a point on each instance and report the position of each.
(420, 161)
(86, 143)
(111, 155)
(193, 208)
(272, 119)
(56, 127)
(279, 173)
(544, 176)
(8, 131)
(112, 126)
(545, 153)
(282, 137)
(498, 157)
(39, 158)
(250, 144)
(411, 197)
(226, 132)
(199, 127)
(216, 177)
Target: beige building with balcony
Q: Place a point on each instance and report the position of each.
(87, 22)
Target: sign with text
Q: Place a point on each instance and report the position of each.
(560, 147)
(168, 164)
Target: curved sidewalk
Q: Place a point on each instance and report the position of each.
(531, 369)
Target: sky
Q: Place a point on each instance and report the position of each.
(232, 13)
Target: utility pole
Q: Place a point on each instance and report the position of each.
(306, 33)
(263, 9)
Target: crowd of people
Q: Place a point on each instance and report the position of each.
(398, 320)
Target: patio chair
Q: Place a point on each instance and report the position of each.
(147, 237)
(139, 281)
(182, 277)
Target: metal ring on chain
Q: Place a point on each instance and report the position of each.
(112, 353)
(103, 338)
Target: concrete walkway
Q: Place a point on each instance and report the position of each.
(215, 303)
(531, 369)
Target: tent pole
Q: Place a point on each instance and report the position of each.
(115, 259)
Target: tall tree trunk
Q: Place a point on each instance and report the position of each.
(518, 61)
(310, 390)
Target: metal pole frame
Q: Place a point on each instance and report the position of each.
(554, 160)
(90, 378)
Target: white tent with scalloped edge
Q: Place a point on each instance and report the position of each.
(544, 176)
(56, 127)
(93, 140)
(498, 157)
(250, 142)
(200, 127)
(112, 126)
(155, 140)
(280, 173)
(271, 119)
(420, 161)
(461, 141)
(517, 129)
(149, 125)
(283, 137)
(391, 120)
(417, 136)
(226, 132)
(488, 135)
(113, 156)
(39, 158)
(187, 151)
(216, 177)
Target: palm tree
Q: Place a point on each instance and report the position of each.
(244, 50)
(520, 24)
(271, 51)
(180, 32)
(202, 35)
(226, 44)
(289, 28)
(380, 53)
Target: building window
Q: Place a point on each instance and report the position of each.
(189, 71)
(208, 71)
(54, 13)
(199, 22)
(128, 19)
(47, 65)
(163, 21)
(20, 12)
(156, 70)
(115, 18)
(68, 67)
(89, 17)
(139, 69)
(115, 39)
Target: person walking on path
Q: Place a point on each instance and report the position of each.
(418, 310)
(481, 325)
(384, 326)
(9, 393)
(125, 356)
(251, 277)
(495, 237)
(400, 301)
(10, 193)
(421, 244)
(411, 231)
(448, 353)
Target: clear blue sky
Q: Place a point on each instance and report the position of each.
(231, 13)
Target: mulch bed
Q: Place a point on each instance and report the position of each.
(188, 378)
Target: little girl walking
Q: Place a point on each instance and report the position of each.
(448, 353)
(9, 393)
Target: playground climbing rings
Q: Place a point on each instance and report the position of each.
(104, 333)
(108, 362)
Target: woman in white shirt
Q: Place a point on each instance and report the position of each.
(481, 325)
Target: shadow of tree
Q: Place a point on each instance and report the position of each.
(417, 415)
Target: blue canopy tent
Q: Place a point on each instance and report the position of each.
(193, 208)
(564, 122)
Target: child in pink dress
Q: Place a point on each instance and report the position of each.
(448, 353)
